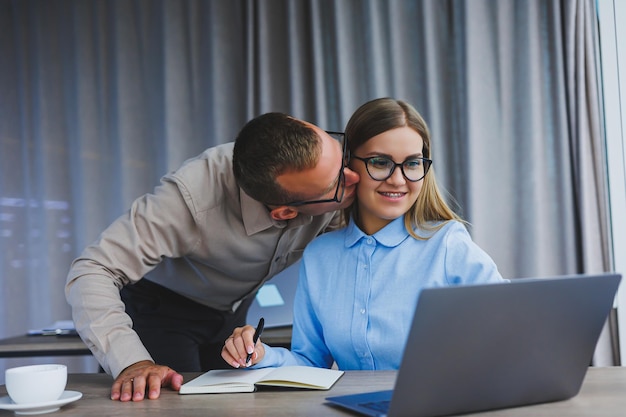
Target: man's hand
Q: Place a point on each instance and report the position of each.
(141, 377)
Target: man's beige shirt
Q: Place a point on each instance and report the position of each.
(197, 234)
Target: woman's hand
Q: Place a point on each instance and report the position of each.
(239, 344)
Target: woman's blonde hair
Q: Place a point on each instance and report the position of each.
(430, 211)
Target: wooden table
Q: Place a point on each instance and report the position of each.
(603, 394)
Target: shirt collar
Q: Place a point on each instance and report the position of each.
(391, 235)
(256, 217)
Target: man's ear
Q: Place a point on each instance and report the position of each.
(283, 213)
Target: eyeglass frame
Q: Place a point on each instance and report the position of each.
(341, 178)
(427, 163)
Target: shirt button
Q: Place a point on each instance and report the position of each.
(362, 311)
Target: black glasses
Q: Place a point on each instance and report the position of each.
(380, 168)
(341, 179)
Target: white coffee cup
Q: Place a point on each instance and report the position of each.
(35, 384)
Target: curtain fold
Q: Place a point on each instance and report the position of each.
(589, 159)
(98, 99)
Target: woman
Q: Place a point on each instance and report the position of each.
(358, 286)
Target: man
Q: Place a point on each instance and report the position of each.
(205, 240)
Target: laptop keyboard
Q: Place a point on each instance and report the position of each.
(377, 405)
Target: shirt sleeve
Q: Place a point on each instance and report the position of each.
(307, 340)
(128, 249)
(465, 261)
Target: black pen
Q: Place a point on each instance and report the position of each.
(257, 333)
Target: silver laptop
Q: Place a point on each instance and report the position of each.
(492, 346)
(274, 301)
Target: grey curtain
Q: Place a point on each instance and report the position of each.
(99, 98)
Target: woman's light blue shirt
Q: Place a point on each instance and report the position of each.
(357, 293)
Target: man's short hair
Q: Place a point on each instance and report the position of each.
(268, 146)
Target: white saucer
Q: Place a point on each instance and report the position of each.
(40, 408)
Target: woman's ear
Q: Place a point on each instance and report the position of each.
(283, 213)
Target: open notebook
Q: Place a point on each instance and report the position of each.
(246, 380)
(492, 346)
